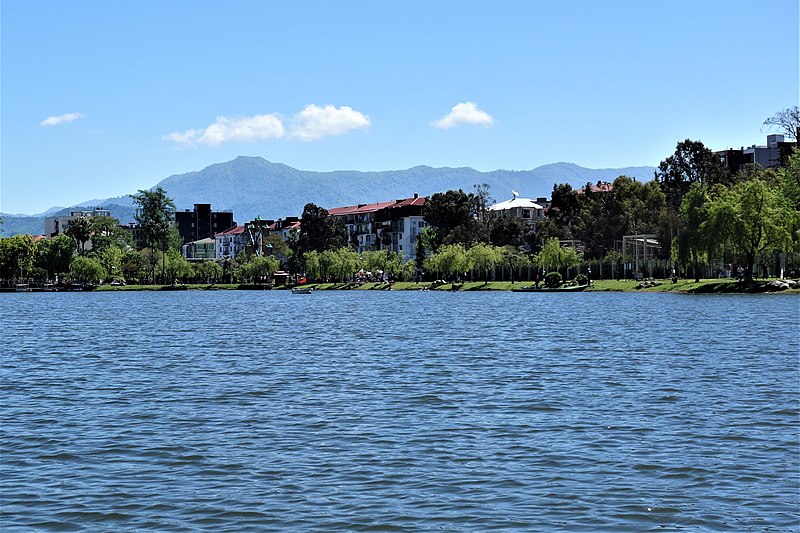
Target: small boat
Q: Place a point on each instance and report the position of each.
(571, 288)
(22, 287)
(302, 290)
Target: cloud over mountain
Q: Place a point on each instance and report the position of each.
(315, 122)
(464, 113)
(226, 129)
(57, 120)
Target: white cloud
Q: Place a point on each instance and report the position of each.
(57, 120)
(464, 113)
(315, 122)
(225, 129)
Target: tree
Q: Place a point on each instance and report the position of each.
(155, 214)
(17, 254)
(55, 255)
(751, 218)
(132, 265)
(86, 270)
(451, 215)
(208, 272)
(80, 229)
(110, 257)
(451, 260)
(320, 231)
(555, 257)
(787, 121)
(505, 231)
(484, 257)
(107, 232)
(690, 244)
(312, 263)
(261, 268)
(691, 163)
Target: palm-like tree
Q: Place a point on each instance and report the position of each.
(80, 229)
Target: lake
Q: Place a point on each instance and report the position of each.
(399, 411)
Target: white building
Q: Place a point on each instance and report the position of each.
(57, 225)
(230, 243)
(524, 209)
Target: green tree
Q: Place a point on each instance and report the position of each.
(176, 266)
(312, 263)
(262, 268)
(451, 260)
(107, 232)
(80, 229)
(347, 261)
(132, 265)
(155, 214)
(556, 257)
(110, 257)
(483, 258)
(691, 244)
(320, 231)
(55, 255)
(751, 218)
(691, 163)
(208, 272)
(505, 231)
(17, 255)
(451, 215)
(86, 270)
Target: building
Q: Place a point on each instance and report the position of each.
(57, 225)
(230, 243)
(775, 154)
(202, 222)
(287, 228)
(200, 249)
(524, 209)
(393, 225)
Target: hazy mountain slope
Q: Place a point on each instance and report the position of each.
(253, 186)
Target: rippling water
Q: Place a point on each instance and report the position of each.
(236, 411)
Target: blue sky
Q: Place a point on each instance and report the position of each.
(103, 98)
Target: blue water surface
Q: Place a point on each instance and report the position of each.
(399, 411)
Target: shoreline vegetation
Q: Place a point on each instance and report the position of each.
(682, 286)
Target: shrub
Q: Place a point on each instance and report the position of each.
(552, 279)
(581, 279)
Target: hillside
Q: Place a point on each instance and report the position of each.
(253, 186)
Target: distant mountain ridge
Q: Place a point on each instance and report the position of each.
(253, 186)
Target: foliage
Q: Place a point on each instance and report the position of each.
(451, 215)
(176, 266)
(132, 265)
(107, 232)
(17, 255)
(787, 121)
(110, 257)
(691, 163)
(484, 257)
(313, 268)
(155, 214)
(555, 256)
(208, 272)
(505, 231)
(750, 219)
(691, 241)
(790, 179)
(582, 279)
(552, 279)
(55, 255)
(260, 269)
(86, 270)
(320, 231)
(450, 260)
(80, 229)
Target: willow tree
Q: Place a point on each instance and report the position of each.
(751, 218)
(155, 214)
(556, 257)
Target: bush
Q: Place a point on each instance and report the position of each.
(581, 279)
(552, 279)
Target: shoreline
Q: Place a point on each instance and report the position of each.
(705, 286)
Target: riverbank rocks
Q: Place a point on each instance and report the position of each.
(780, 285)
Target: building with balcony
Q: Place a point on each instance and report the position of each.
(202, 222)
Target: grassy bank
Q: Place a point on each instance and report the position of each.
(682, 286)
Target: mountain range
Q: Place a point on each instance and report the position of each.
(253, 186)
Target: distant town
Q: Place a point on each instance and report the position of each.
(621, 229)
